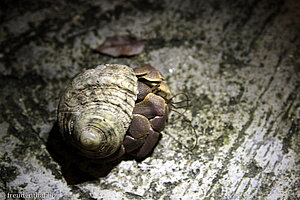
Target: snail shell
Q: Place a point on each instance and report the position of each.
(96, 109)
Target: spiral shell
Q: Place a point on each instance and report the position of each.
(96, 109)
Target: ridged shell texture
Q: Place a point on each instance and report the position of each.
(96, 109)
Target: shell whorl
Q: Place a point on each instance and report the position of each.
(96, 109)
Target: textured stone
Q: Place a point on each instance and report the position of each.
(238, 61)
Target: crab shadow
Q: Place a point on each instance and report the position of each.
(77, 169)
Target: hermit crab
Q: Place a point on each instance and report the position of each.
(113, 110)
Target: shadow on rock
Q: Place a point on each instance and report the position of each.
(75, 168)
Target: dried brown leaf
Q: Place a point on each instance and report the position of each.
(122, 45)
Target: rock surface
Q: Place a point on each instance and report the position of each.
(238, 61)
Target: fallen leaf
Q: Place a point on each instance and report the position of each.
(122, 45)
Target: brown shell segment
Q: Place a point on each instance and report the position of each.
(153, 105)
(150, 112)
(148, 73)
(162, 90)
(139, 127)
(143, 90)
(158, 123)
(148, 145)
